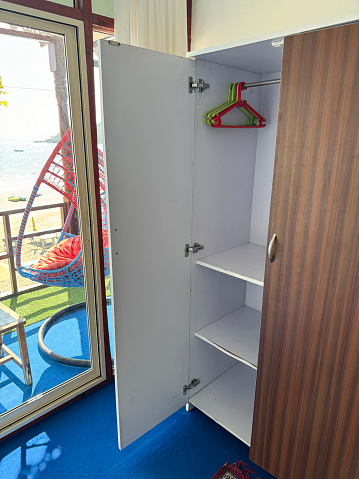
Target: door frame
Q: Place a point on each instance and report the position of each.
(85, 143)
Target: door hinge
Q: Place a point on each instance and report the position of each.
(199, 86)
(191, 385)
(192, 249)
(114, 43)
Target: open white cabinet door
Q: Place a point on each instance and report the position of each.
(148, 118)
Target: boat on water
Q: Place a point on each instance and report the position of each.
(18, 149)
(16, 198)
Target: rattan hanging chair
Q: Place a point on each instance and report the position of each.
(58, 173)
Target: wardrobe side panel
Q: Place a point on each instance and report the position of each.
(224, 161)
(263, 176)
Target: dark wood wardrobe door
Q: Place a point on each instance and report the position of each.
(306, 415)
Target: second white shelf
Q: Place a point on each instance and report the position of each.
(244, 262)
(237, 335)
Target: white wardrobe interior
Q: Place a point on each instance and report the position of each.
(232, 182)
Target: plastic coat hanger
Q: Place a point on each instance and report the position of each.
(254, 119)
(208, 115)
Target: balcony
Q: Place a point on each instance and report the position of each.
(68, 336)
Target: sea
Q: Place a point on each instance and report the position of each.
(27, 163)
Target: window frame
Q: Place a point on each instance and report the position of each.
(85, 144)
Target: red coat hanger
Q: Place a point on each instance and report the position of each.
(254, 119)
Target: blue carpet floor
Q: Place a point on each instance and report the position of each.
(67, 337)
(80, 442)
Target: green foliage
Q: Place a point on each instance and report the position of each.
(53, 139)
(2, 102)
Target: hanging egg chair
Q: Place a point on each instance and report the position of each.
(58, 173)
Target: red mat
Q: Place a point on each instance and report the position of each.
(238, 470)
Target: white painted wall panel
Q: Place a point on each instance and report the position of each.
(217, 23)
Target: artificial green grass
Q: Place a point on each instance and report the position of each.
(38, 305)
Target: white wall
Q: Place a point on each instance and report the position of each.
(217, 22)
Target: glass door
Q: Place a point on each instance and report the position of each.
(50, 291)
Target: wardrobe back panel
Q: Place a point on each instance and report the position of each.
(224, 162)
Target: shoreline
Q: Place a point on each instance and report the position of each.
(22, 187)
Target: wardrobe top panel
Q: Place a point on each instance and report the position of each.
(259, 57)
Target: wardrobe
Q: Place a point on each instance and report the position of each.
(235, 258)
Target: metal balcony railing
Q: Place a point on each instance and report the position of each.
(9, 252)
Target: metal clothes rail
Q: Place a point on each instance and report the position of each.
(261, 83)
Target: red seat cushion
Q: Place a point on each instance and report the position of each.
(63, 253)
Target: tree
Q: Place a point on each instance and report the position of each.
(2, 102)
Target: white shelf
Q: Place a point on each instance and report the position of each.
(237, 335)
(229, 401)
(244, 262)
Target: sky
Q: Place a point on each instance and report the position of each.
(32, 112)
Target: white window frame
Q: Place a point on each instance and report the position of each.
(73, 31)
